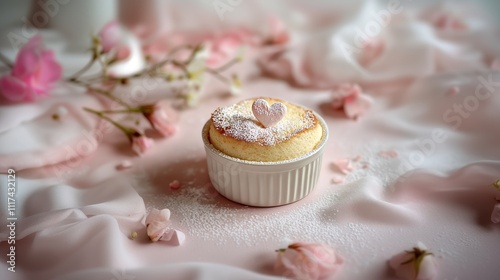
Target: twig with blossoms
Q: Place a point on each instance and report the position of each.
(36, 70)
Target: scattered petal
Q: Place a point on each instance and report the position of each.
(454, 90)
(338, 179)
(388, 154)
(302, 260)
(124, 165)
(352, 100)
(175, 184)
(178, 238)
(343, 165)
(158, 224)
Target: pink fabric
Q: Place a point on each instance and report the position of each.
(75, 217)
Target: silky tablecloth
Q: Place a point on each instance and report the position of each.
(424, 158)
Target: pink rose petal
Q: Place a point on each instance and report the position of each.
(388, 154)
(124, 165)
(158, 223)
(175, 184)
(338, 179)
(351, 98)
(454, 90)
(343, 165)
(307, 261)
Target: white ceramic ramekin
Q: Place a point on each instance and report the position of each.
(264, 184)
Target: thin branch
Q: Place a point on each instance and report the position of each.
(83, 70)
(217, 75)
(227, 65)
(125, 130)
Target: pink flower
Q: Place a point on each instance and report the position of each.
(224, 47)
(279, 33)
(417, 264)
(495, 215)
(34, 73)
(158, 226)
(110, 36)
(448, 21)
(307, 261)
(112, 41)
(141, 143)
(351, 98)
(158, 223)
(162, 117)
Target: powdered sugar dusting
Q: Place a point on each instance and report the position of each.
(238, 121)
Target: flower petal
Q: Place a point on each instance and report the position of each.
(110, 36)
(358, 107)
(14, 89)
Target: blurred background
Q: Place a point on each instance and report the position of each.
(74, 20)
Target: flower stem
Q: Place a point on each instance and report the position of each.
(83, 70)
(5, 60)
(228, 65)
(129, 132)
(130, 110)
(217, 75)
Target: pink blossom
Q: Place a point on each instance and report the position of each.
(110, 36)
(495, 215)
(158, 224)
(447, 21)
(279, 33)
(307, 261)
(224, 47)
(141, 143)
(417, 264)
(351, 98)
(113, 41)
(162, 117)
(34, 73)
(158, 227)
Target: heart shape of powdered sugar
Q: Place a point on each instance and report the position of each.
(268, 115)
